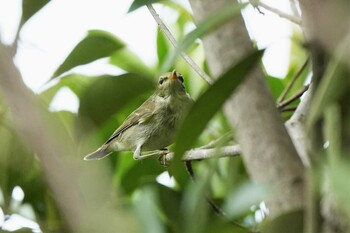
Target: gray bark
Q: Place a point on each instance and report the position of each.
(268, 151)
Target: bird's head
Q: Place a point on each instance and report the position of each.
(170, 84)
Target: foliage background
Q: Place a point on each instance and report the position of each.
(119, 194)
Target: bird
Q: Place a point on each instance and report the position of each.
(152, 126)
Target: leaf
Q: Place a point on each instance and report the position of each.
(162, 47)
(141, 173)
(127, 60)
(332, 86)
(76, 82)
(97, 44)
(203, 28)
(289, 222)
(147, 207)
(247, 195)
(108, 94)
(30, 7)
(136, 4)
(210, 102)
(276, 86)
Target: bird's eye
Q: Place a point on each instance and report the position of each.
(161, 80)
(181, 78)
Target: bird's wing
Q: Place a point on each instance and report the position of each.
(140, 115)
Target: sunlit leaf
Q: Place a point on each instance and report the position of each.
(30, 7)
(203, 28)
(75, 82)
(140, 3)
(210, 102)
(108, 94)
(127, 60)
(97, 44)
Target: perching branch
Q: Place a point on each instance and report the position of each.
(172, 40)
(292, 18)
(200, 154)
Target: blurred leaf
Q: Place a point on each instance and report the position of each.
(143, 172)
(184, 14)
(30, 7)
(211, 23)
(170, 202)
(163, 46)
(140, 3)
(290, 222)
(245, 196)
(209, 103)
(147, 207)
(75, 82)
(332, 86)
(108, 94)
(339, 183)
(127, 60)
(97, 44)
(276, 86)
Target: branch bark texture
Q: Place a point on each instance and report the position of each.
(268, 151)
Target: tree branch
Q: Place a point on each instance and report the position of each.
(173, 41)
(200, 154)
(56, 154)
(278, 12)
(295, 126)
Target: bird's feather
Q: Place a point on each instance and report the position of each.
(140, 115)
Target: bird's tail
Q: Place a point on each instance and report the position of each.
(100, 153)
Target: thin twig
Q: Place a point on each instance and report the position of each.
(173, 41)
(278, 12)
(289, 109)
(292, 81)
(280, 106)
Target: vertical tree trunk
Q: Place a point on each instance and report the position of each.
(268, 152)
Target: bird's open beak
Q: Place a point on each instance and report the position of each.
(173, 75)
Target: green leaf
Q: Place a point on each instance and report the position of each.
(30, 7)
(127, 60)
(76, 82)
(210, 102)
(141, 173)
(332, 86)
(136, 4)
(108, 94)
(163, 47)
(224, 14)
(247, 195)
(97, 44)
(276, 86)
(147, 207)
(289, 222)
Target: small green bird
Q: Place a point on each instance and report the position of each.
(152, 126)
